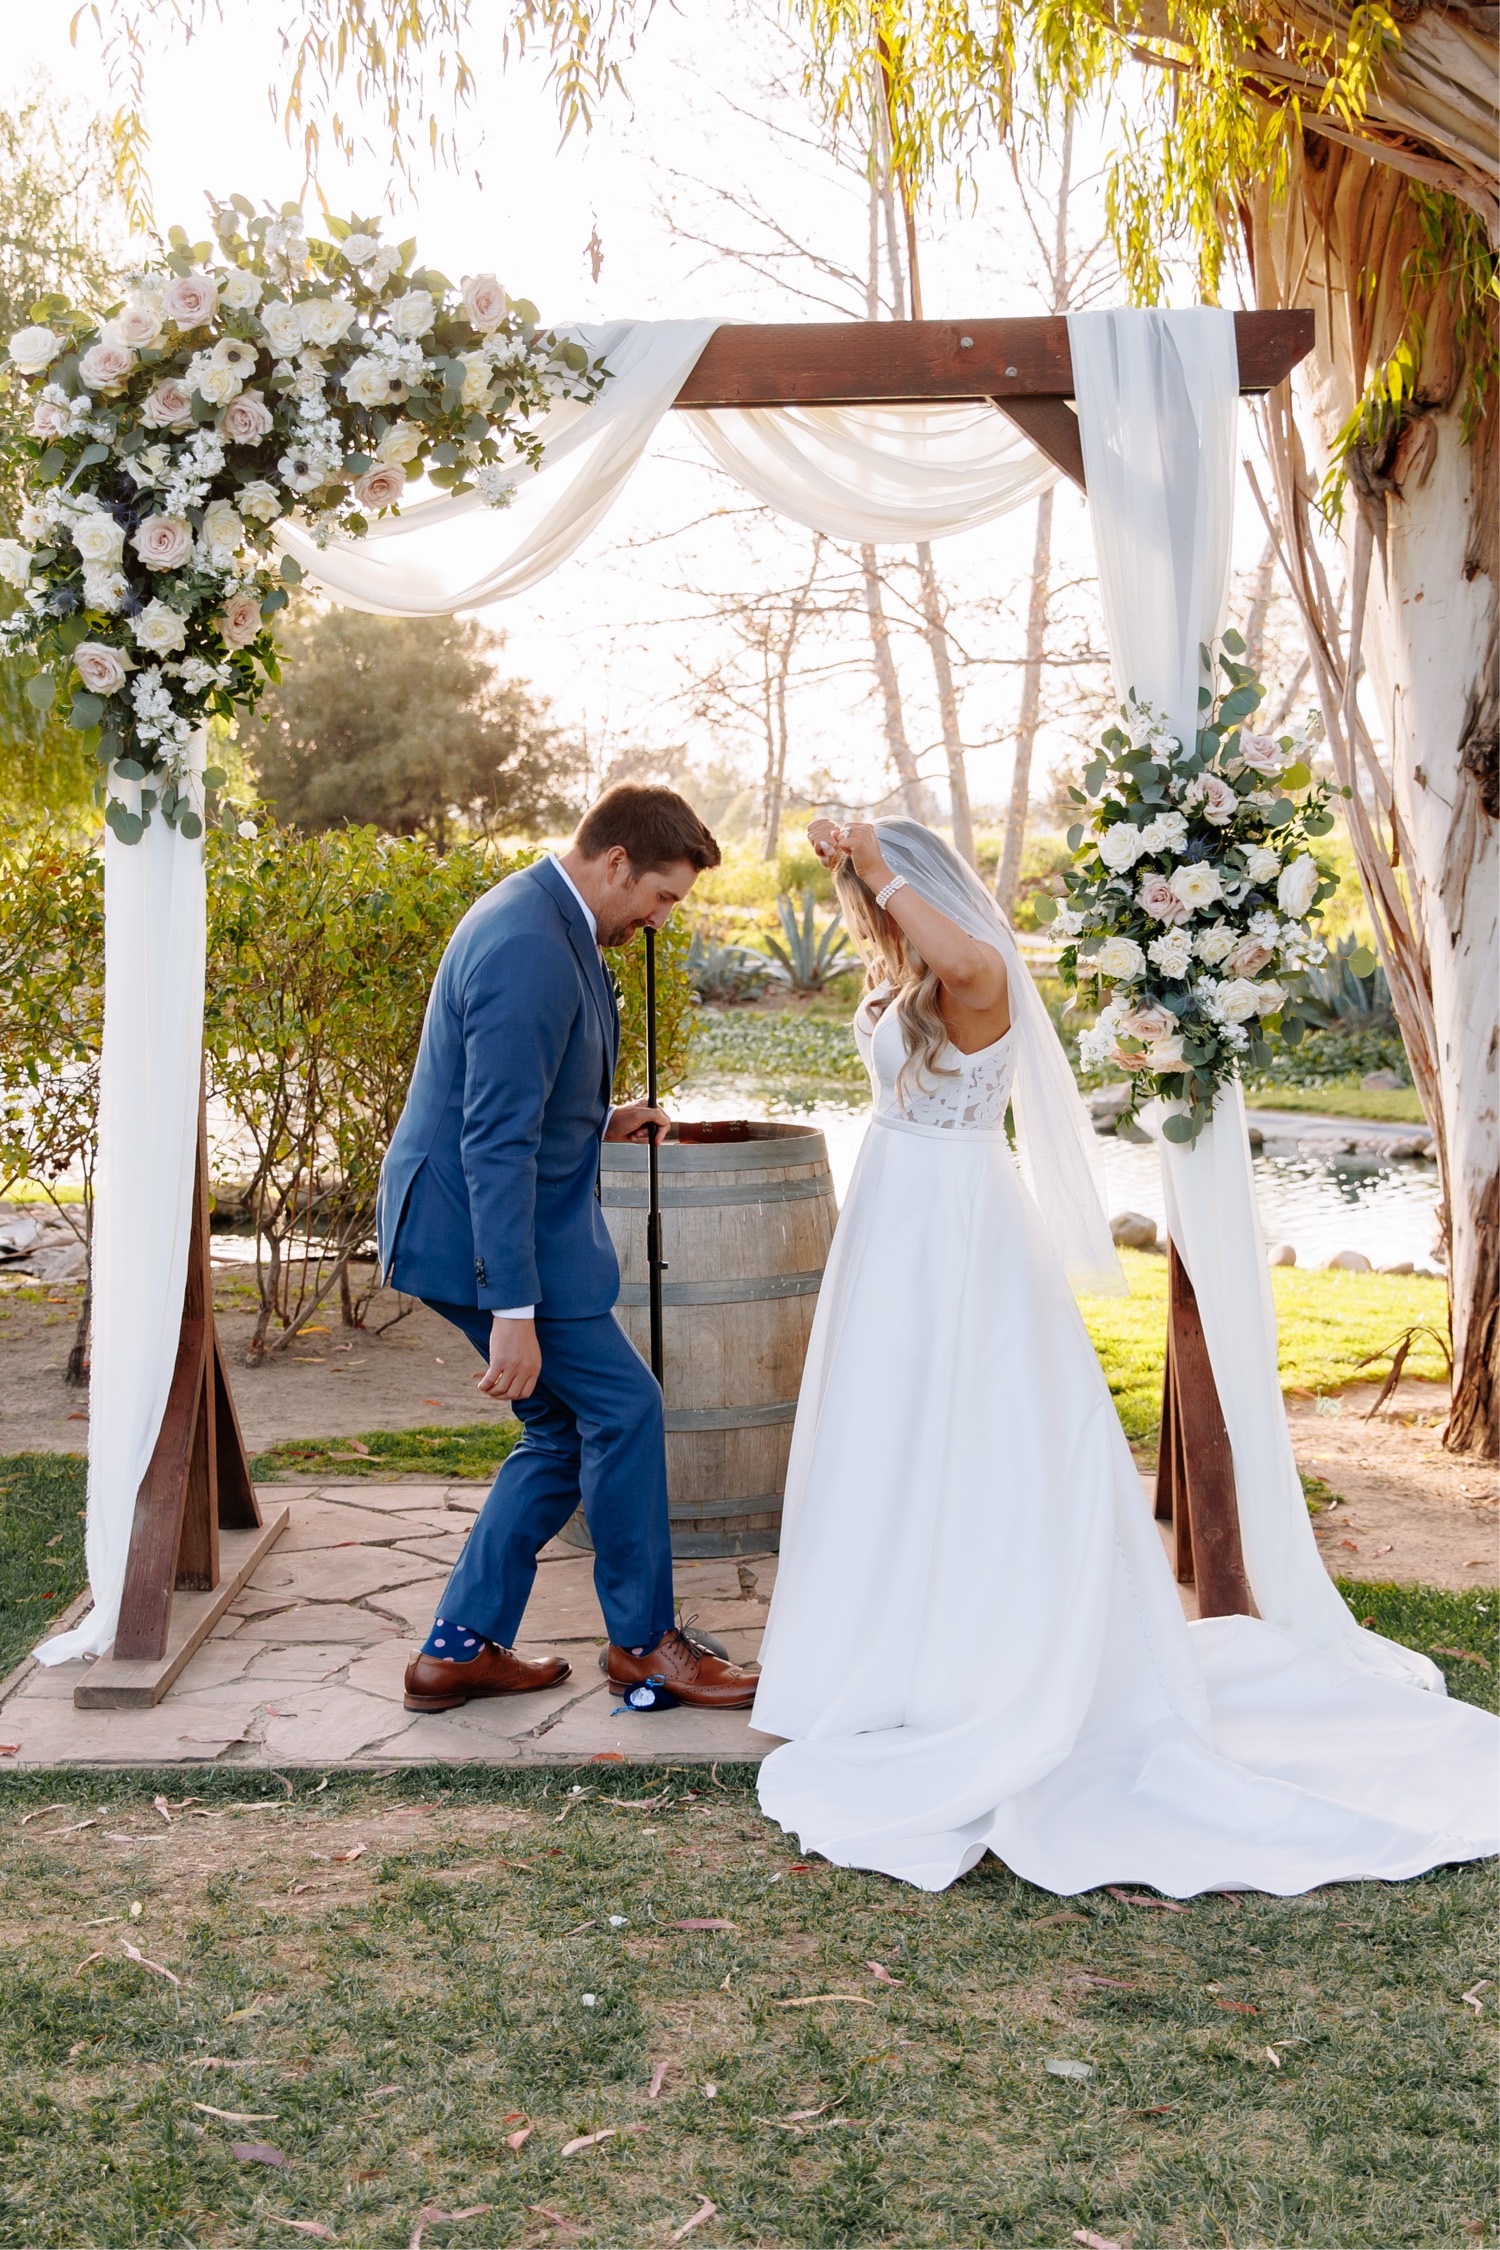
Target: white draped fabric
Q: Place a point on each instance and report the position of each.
(1158, 396)
(154, 931)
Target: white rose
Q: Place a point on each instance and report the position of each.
(1261, 862)
(50, 420)
(32, 349)
(261, 500)
(101, 668)
(163, 543)
(1165, 1054)
(1270, 998)
(137, 324)
(1236, 1000)
(223, 532)
(104, 366)
(241, 291)
(371, 382)
(190, 300)
(1120, 846)
(1065, 924)
(1166, 833)
(1196, 884)
(15, 562)
(98, 538)
(412, 314)
(1120, 958)
(218, 384)
(401, 444)
(1212, 944)
(359, 249)
(324, 321)
(105, 589)
(1295, 887)
(1172, 953)
(477, 379)
(160, 628)
(281, 325)
(484, 302)
(385, 262)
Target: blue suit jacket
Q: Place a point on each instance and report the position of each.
(488, 1192)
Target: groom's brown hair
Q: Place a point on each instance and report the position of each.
(654, 826)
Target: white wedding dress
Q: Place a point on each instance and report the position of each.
(976, 1643)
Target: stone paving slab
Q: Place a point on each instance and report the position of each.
(305, 1668)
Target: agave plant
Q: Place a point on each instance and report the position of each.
(806, 956)
(1348, 991)
(724, 973)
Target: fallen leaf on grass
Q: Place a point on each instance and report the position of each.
(705, 1922)
(358, 1852)
(592, 2140)
(353, 1451)
(1471, 1998)
(10, 1749)
(555, 2218)
(579, 1928)
(133, 1953)
(1116, 1984)
(658, 2079)
(1158, 2109)
(377, 2091)
(242, 2015)
(159, 1804)
(518, 2140)
(705, 2210)
(1143, 1898)
(314, 2227)
(431, 2216)
(255, 2152)
(1063, 2068)
(238, 2116)
(42, 1811)
(1238, 2007)
(1092, 2241)
(1467, 1654)
(882, 1974)
(1273, 2058)
(815, 1999)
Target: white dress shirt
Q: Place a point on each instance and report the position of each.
(528, 1312)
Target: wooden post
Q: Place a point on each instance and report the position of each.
(1195, 1489)
(198, 1532)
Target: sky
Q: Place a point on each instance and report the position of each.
(712, 151)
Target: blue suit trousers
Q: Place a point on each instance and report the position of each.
(591, 1434)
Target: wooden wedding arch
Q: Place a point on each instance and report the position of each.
(198, 1532)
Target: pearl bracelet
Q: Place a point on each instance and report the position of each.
(896, 883)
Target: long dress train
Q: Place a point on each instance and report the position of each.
(975, 1641)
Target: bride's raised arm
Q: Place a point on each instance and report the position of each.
(973, 972)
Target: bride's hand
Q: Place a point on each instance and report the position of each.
(827, 840)
(863, 847)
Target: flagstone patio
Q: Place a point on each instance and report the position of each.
(304, 1668)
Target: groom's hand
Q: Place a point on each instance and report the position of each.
(515, 1359)
(633, 1121)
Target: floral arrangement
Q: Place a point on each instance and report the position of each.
(260, 378)
(1192, 902)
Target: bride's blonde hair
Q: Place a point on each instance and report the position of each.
(891, 958)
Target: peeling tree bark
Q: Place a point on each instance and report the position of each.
(916, 800)
(1008, 874)
(935, 630)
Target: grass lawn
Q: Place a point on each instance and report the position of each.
(472, 1449)
(41, 1546)
(1343, 1098)
(383, 1981)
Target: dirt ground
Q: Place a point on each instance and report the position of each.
(1407, 1511)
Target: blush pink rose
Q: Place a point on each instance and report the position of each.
(382, 486)
(1129, 1063)
(1218, 800)
(240, 620)
(104, 367)
(246, 419)
(484, 302)
(49, 419)
(101, 668)
(1149, 1023)
(1262, 753)
(163, 542)
(1248, 957)
(169, 407)
(190, 300)
(1157, 898)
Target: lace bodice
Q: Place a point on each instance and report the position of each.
(968, 1094)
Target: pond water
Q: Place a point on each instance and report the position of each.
(1389, 1212)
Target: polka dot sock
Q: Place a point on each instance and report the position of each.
(454, 1643)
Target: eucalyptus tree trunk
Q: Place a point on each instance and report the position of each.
(1008, 874)
(916, 798)
(1419, 525)
(935, 632)
(777, 736)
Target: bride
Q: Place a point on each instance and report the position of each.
(975, 1642)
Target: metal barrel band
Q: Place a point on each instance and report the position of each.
(755, 1289)
(732, 1417)
(695, 1195)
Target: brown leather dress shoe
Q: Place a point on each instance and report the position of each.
(433, 1684)
(689, 1670)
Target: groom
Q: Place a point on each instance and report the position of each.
(489, 1211)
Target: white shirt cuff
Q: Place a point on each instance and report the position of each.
(513, 1312)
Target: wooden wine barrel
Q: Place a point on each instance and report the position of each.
(747, 1216)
